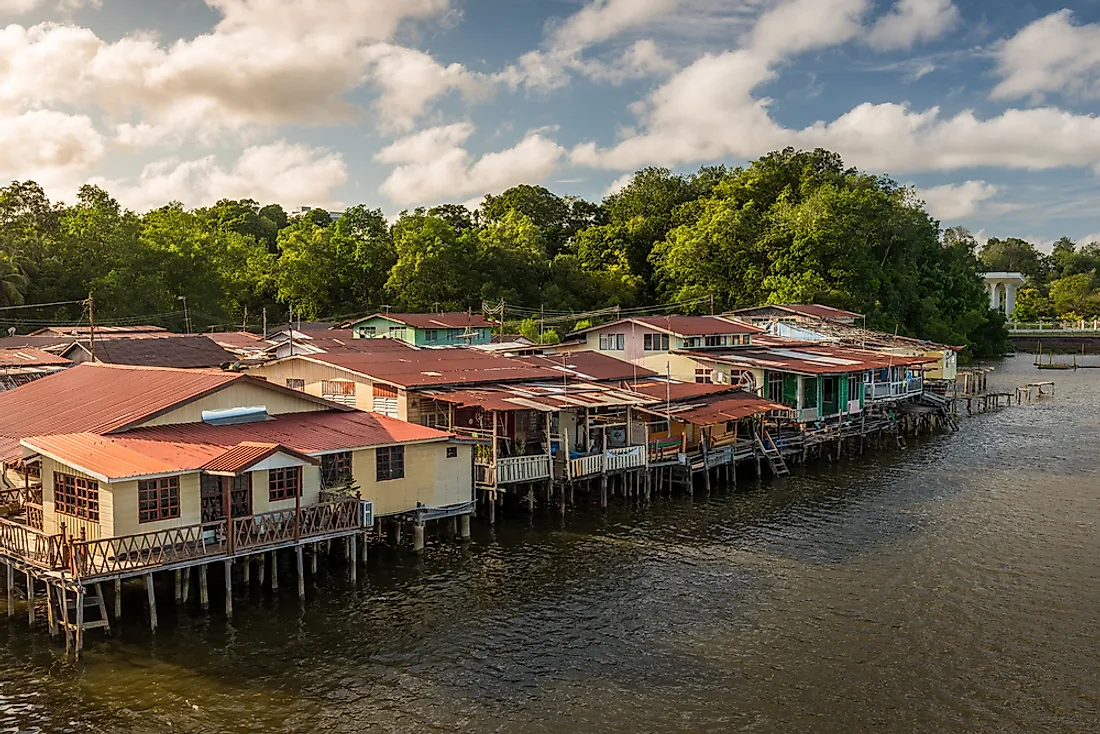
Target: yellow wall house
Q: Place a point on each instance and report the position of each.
(113, 451)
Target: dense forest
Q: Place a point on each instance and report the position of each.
(794, 226)
(1062, 285)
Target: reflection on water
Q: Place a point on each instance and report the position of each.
(952, 587)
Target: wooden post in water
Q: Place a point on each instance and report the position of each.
(63, 595)
(418, 536)
(246, 572)
(204, 588)
(51, 615)
(11, 591)
(117, 609)
(274, 570)
(313, 558)
(228, 588)
(301, 572)
(178, 574)
(354, 559)
(152, 597)
(78, 633)
(30, 599)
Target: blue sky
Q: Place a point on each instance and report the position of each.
(987, 108)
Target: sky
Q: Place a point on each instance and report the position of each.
(987, 107)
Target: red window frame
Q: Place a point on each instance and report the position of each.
(284, 484)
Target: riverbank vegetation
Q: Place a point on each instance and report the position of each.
(794, 226)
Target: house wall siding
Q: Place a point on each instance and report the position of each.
(430, 478)
(51, 520)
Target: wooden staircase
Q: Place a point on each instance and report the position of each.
(766, 446)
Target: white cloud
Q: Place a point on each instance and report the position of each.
(951, 202)
(410, 79)
(1048, 56)
(707, 111)
(640, 60)
(602, 20)
(911, 21)
(266, 63)
(53, 148)
(1088, 239)
(433, 165)
(618, 185)
(279, 172)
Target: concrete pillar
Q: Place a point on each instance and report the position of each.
(418, 537)
(1010, 298)
(464, 523)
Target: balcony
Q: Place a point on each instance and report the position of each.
(612, 460)
(181, 546)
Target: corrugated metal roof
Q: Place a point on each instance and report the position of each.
(98, 398)
(713, 409)
(547, 397)
(451, 320)
(696, 325)
(812, 359)
(813, 310)
(589, 365)
(435, 367)
(180, 351)
(247, 454)
(30, 357)
(194, 446)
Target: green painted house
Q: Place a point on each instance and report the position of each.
(427, 329)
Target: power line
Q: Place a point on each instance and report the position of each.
(41, 305)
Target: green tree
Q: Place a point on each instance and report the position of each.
(1074, 295)
(1031, 305)
(434, 266)
(1013, 255)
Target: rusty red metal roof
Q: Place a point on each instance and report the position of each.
(194, 446)
(661, 390)
(709, 410)
(451, 320)
(696, 325)
(237, 340)
(30, 357)
(434, 367)
(247, 454)
(589, 365)
(99, 330)
(813, 310)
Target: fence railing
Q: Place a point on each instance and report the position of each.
(272, 528)
(31, 546)
(147, 550)
(523, 469)
(632, 457)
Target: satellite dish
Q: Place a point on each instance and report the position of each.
(747, 381)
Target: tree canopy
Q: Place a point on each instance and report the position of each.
(794, 226)
(1064, 284)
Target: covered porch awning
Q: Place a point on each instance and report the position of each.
(721, 408)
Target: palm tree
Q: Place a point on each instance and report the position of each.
(13, 279)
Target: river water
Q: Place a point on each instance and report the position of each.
(952, 587)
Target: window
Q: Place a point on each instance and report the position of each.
(76, 496)
(368, 331)
(658, 426)
(284, 484)
(735, 340)
(295, 383)
(853, 388)
(339, 391)
(655, 342)
(715, 341)
(692, 341)
(390, 462)
(33, 469)
(809, 392)
(335, 469)
(431, 335)
(612, 342)
(158, 499)
(704, 375)
(775, 388)
(452, 452)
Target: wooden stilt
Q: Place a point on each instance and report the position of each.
(102, 604)
(117, 609)
(178, 574)
(51, 614)
(186, 584)
(152, 601)
(63, 598)
(261, 569)
(274, 570)
(492, 510)
(204, 589)
(11, 591)
(246, 572)
(78, 633)
(313, 558)
(353, 540)
(228, 588)
(301, 572)
(30, 599)
(603, 491)
(363, 547)
(418, 537)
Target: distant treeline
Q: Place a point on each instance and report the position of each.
(792, 227)
(1064, 284)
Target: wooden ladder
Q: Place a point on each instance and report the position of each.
(775, 458)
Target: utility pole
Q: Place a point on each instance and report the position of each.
(91, 325)
(244, 326)
(186, 314)
(265, 322)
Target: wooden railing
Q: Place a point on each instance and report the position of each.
(522, 469)
(146, 550)
(272, 528)
(585, 466)
(31, 546)
(632, 457)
